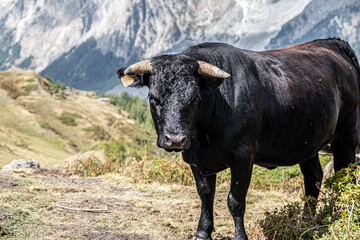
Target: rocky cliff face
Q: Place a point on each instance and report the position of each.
(81, 43)
(323, 19)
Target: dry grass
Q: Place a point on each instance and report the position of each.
(136, 210)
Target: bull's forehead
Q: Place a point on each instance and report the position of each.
(181, 89)
(173, 74)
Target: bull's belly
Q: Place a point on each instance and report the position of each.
(271, 162)
(285, 153)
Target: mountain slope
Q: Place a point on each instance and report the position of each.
(39, 124)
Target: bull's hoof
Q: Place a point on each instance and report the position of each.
(201, 235)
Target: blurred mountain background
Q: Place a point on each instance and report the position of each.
(82, 43)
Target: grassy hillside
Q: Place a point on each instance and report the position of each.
(42, 123)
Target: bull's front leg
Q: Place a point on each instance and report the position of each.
(206, 189)
(241, 170)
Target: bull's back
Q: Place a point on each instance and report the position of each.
(310, 89)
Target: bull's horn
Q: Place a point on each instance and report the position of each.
(139, 68)
(211, 70)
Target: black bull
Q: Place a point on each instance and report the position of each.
(278, 108)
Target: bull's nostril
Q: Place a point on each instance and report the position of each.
(182, 140)
(168, 141)
(175, 141)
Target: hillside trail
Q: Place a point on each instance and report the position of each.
(49, 203)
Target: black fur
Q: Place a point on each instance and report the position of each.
(278, 108)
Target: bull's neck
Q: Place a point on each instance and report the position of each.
(213, 110)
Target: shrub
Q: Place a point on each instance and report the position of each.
(159, 170)
(67, 119)
(92, 167)
(337, 215)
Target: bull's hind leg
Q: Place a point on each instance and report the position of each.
(206, 189)
(313, 175)
(345, 142)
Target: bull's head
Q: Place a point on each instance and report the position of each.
(174, 83)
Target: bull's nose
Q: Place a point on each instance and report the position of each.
(175, 141)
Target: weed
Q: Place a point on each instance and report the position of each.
(30, 80)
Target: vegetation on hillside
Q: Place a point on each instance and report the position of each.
(137, 107)
(48, 122)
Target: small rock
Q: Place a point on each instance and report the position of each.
(20, 163)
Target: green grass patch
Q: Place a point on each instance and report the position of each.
(30, 87)
(30, 80)
(44, 125)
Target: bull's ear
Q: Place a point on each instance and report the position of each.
(133, 80)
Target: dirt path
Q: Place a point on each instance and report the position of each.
(33, 206)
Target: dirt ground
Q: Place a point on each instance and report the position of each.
(50, 204)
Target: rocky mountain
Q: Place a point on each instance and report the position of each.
(323, 19)
(82, 43)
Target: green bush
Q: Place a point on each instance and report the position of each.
(67, 119)
(337, 215)
(58, 87)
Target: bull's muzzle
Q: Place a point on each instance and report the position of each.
(175, 142)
